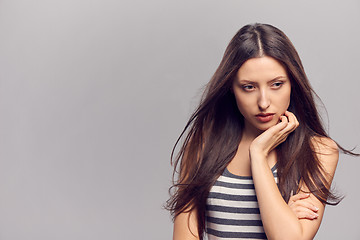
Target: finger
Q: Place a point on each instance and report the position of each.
(283, 123)
(291, 124)
(304, 214)
(292, 118)
(296, 121)
(284, 119)
(307, 211)
(299, 196)
(280, 126)
(303, 203)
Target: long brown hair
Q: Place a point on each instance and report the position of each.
(213, 132)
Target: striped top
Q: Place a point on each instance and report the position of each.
(232, 210)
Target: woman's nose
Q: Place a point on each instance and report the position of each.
(263, 101)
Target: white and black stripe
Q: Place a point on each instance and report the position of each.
(232, 210)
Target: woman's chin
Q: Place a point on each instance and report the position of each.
(265, 126)
(259, 128)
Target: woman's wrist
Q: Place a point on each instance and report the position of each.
(257, 154)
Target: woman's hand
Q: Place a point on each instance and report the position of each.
(302, 208)
(275, 135)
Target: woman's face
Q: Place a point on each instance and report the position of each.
(262, 91)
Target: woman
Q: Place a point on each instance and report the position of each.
(256, 162)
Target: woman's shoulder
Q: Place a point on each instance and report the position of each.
(327, 151)
(324, 145)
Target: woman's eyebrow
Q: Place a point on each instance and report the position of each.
(279, 77)
(246, 81)
(274, 79)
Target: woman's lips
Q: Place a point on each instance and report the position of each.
(264, 117)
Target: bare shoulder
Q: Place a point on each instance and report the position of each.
(327, 152)
(324, 145)
(185, 226)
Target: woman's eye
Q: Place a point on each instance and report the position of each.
(248, 87)
(277, 84)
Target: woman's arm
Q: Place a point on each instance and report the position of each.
(302, 207)
(279, 221)
(185, 226)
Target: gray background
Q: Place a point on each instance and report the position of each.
(93, 95)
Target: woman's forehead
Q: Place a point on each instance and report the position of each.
(261, 68)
